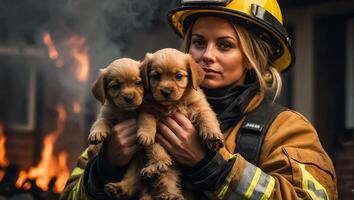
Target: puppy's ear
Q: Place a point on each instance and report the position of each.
(144, 69)
(98, 88)
(196, 73)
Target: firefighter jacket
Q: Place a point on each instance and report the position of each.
(293, 165)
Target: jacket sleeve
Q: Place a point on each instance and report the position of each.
(208, 173)
(293, 165)
(74, 187)
(89, 177)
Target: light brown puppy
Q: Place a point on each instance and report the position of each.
(120, 90)
(172, 81)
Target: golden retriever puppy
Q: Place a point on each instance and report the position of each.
(120, 90)
(172, 79)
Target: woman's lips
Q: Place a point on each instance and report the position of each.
(209, 71)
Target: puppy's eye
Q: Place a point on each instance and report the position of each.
(179, 76)
(156, 77)
(138, 82)
(115, 86)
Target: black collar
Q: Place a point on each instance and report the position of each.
(229, 103)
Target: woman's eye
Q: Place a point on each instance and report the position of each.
(225, 45)
(115, 86)
(198, 43)
(179, 76)
(138, 82)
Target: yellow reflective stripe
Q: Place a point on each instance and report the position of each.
(77, 171)
(75, 190)
(225, 186)
(85, 154)
(223, 191)
(312, 186)
(269, 189)
(253, 184)
(248, 174)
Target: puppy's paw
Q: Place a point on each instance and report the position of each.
(169, 196)
(96, 137)
(213, 140)
(145, 139)
(116, 191)
(150, 172)
(155, 170)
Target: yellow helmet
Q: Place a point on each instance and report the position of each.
(263, 17)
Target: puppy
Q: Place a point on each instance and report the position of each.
(172, 81)
(120, 90)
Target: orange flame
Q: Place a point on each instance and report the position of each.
(3, 160)
(76, 107)
(63, 171)
(79, 52)
(49, 166)
(52, 51)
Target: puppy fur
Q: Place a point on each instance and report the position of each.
(120, 90)
(172, 81)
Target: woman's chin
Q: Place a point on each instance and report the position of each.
(210, 84)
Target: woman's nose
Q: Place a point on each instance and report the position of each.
(209, 54)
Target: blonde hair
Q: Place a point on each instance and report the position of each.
(256, 53)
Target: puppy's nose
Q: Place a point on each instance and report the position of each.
(129, 99)
(165, 92)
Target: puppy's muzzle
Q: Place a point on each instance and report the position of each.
(129, 99)
(166, 93)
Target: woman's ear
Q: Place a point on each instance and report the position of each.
(98, 88)
(145, 68)
(196, 73)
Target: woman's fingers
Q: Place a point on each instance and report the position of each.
(167, 133)
(183, 121)
(177, 129)
(172, 124)
(178, 136)
(129, 141)
(131, 130)
(120, 127)
(161, 140)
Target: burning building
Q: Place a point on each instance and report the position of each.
(50, 54)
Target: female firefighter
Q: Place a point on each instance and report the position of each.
(270, 152)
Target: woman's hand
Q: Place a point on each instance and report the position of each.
(180, 139)
(121, 144)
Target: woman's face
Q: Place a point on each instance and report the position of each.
(214, 45)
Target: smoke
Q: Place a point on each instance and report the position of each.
(108, 27)
(106, 24)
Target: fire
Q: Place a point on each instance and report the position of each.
(3, 160)
(49, 166)
(63, 171)
(76, 107)
(79, 52)
(52, 50)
